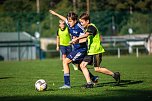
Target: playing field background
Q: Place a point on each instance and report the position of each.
(17, 81)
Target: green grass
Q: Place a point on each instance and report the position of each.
(17, 81)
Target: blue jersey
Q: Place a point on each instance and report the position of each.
(76, 31)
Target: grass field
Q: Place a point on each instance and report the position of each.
(17, 81)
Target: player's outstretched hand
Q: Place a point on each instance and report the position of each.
(52, 12)
(57, 48)
(58, 15)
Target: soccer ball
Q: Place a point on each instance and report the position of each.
(40, 85)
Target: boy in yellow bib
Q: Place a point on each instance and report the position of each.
(95, 50)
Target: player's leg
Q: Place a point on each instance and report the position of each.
(93, 78)
(66, 69)
(66, 63)
(73, 56)
(85, 71)
(63, 52)
(115, 75)
(79, 56)
(86, 74)
(97, 59)
(89, 60)
(63, 58)
(68, 51)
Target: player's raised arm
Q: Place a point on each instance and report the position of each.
(57, 43)
(58, 15)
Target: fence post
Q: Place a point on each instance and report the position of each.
(8, 52)
(137, 53)
(118, 52)
(18, 33)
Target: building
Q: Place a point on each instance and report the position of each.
(129, 42)
(17, 46)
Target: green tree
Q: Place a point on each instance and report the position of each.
(49, 25)
(140, 23)
(6, 24)
(23, 12)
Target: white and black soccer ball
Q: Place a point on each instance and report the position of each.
(40, 85)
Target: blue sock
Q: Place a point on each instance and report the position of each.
(67, 79)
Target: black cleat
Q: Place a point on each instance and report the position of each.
(89, 85)
(95, 79)
(117, 77)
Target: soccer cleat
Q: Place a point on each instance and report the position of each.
(117, 77)
(95, 79)
(65, 87)
(89, 85)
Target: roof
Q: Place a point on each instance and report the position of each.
(124, 38)
(16, 36)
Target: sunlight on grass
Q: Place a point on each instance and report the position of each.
(18, 78)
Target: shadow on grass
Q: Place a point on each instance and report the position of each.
(5, 77)
(123, 83)
(119, 95)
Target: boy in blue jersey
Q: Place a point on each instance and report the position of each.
(80, 47)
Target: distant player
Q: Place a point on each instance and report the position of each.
(80, 47)
(95, 50)
(63, 39)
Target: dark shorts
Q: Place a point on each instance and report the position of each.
(77, 55)
(65, 49)
(94, 60)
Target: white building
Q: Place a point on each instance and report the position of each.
(17, 46)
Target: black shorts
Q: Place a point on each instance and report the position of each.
(94, 60)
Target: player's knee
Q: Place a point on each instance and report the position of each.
(65, 62)
(82, 66)
(96, 69)
(63, 57)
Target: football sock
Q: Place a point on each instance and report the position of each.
(67, 79)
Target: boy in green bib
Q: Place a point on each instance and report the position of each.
(95, 50)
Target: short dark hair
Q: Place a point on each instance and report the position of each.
(85, 16)
(72, 16)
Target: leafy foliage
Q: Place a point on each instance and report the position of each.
(139, 22)
(22, 15)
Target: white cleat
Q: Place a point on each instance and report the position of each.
(65, 87)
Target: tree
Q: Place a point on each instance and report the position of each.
(139, 22)
(103, 13)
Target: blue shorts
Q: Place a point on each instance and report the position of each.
(77, 55)
(65, 49)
